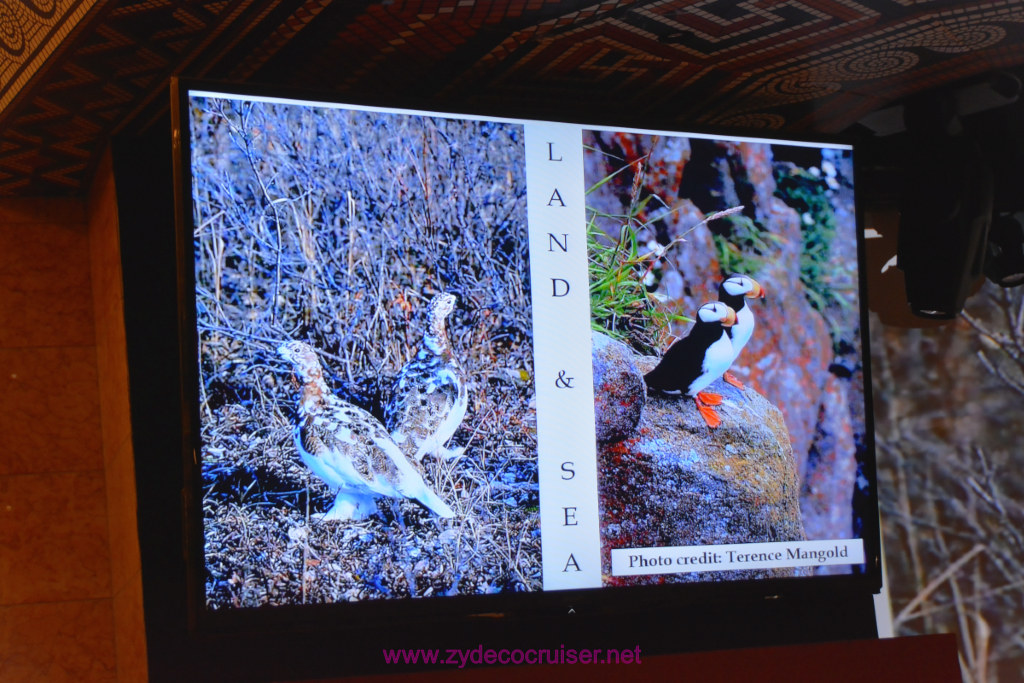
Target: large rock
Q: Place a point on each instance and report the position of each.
(619, 390)
(675, 482)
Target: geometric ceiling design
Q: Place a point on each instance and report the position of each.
(75, 72)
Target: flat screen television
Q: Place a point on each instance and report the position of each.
(445, 365)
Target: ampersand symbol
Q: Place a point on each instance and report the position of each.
(563, 382)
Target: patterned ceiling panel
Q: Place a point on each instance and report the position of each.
(74, 72)
(82, 82)
(772, 65)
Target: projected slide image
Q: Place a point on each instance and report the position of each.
(447, 355)
(365, 354)
(728, 363)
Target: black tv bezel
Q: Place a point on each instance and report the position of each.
(517, 610)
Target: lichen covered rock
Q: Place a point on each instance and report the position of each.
(675, 482)
(619, 390)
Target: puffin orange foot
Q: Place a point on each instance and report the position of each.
(733, 380)
(709, 399)
(706, 411)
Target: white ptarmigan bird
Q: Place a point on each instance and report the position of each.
(429, 399)
(733, 292)
(349, 448)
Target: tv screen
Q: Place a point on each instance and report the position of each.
(437, 355)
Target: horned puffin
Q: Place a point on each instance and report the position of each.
(697, 360)
(733, 292)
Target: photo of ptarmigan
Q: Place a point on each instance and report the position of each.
(349, 449)
(429, 399)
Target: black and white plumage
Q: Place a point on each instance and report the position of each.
(734, 292)
(349, 448)
(697, 360)
(429, 399)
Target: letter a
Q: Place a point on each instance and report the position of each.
(555, 197)
(572, 561)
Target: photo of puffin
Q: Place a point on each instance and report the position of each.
(733, 292)
(697, 360)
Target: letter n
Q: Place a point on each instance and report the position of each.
(564, 246)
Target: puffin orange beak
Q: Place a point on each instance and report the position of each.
(730, 318)
(757, 292)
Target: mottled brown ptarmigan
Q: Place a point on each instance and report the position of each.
(429, 399)
(349, 448)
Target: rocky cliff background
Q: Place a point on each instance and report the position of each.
(795, 234)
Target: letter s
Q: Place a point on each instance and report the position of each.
(567, 469)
